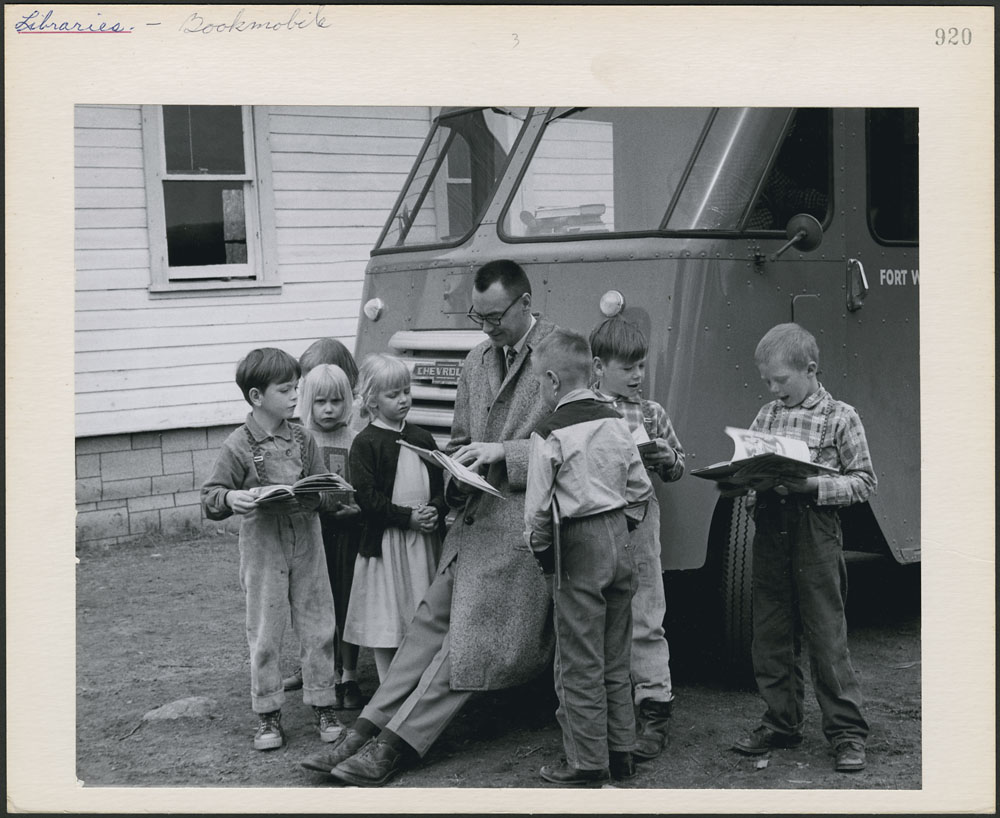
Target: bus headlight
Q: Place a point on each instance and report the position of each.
(373, 308)
(612, 303)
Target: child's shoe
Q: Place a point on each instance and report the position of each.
(353, 700)
(850, 755)
(329, 726)
(269, 735)
(293, 682)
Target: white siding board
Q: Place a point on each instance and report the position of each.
(354, 230)
(106, 280)
(110, 178)
(325, 183)
(103, 259)
(107, 138)
(342, 163)
(161, 418)
(352, 145)
(110, 198)
(119, 238)
(292, 293)
(375, 210)
(343, 126)
(90, 218)
(108, 157)
(358, 112)
(108, 116)
(173, 317)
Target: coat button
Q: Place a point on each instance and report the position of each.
(469, 520)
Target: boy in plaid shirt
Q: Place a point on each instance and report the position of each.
(619, 349)
(799, 576)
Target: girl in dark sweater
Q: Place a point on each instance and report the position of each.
(402, 512)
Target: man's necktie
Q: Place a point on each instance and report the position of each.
(509, 360)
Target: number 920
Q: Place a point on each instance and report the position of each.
(953, 36)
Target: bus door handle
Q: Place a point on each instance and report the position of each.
(857, 285)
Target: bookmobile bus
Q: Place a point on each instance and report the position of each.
(705, 227)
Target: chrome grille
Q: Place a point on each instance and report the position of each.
(433, 403)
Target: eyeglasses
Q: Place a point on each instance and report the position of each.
(494, 318)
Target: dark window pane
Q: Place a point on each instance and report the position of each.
(203, 138)
(459, 209)
(799, 182)
(459, 162)
(893, 186)
(206, 223)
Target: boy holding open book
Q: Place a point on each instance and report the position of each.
(282, 562)
(799, 576)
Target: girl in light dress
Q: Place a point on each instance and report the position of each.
(402, 512)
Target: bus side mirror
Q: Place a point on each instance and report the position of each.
(803, 230)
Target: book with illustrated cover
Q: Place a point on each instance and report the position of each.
(760, 460)
(327, 483)
(454, 468)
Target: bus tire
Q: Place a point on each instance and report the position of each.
(736, 590)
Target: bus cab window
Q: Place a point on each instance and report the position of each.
(799, 181)
(893, 174)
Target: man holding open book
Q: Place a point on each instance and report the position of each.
(484, 623)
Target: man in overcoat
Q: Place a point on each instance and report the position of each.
(484, 623)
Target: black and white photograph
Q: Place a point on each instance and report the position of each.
(399, 449)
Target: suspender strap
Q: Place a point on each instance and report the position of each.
(258, 453)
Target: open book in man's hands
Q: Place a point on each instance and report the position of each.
(761, 460)
(454, 468)
(327, 483)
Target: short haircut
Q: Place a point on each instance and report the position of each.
(329, 351)
(619, 340)
(262, 367)
(378, 373)
(325, 380)
(789, 344)
(566, 353)
(509, 273)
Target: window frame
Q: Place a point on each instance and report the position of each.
(260, 271)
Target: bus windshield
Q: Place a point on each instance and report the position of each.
(641, 170)
(455, 177)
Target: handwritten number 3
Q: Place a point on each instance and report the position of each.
(517, 41)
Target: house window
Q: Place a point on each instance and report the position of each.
(210, 202)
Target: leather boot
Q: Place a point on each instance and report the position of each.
(652, 727)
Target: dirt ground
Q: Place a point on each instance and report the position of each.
(162, 620)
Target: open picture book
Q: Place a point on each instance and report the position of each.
(327, 483)
(762, 459)
(454, 468)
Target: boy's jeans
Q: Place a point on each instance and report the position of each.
(799, 587)
(282, 566)
(650, 652)
(593, 624)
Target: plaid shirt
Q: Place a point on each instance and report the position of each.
(641, 412)
(835, 436)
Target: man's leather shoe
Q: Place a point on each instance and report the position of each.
(763, 739)
(621, 765)
(371, 766)
(562, 773)
(850, 756)
(343, 747)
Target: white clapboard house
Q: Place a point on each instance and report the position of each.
(202, 232)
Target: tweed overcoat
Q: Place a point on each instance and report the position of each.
(501, 611)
